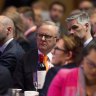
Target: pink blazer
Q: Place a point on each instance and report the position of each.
(67, 83)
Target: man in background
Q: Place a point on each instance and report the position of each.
(56, 12)
(78, 24)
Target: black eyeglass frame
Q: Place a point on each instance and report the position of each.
(57, 48)
(47, 37)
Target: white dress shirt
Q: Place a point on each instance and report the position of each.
(49, 57)
(86, 42)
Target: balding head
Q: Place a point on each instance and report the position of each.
(6, 29)
(7, 22)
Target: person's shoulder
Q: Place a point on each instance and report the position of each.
(54, 69)
(68, 72)
(31, 53)
(14, 45)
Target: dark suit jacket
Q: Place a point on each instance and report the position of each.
(32, 40)
(51, 74)
(5, 80)
(24, 44)
(23, 77)
(11, 55)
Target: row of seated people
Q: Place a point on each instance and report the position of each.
(20, 68)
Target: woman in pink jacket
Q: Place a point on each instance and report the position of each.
(79, 81)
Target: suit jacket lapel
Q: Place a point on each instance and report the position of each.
(10, 45)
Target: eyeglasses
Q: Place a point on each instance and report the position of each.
(91, 63)
(47, 37)
(57, 48)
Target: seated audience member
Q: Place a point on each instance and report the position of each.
(47, 36)
(5, 80)
(39, 8)
(79, 24)
(10, 50)
(10, 9)
(79, 81)
(92, 15)
(85, 5)
(19, 29)
(56, 12)
(28, 18)
(65, 55)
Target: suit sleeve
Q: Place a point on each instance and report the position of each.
(19, 76)
(11, 57)
(5, 80)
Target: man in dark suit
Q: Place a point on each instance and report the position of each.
(78, 23)
(5, 80)
(56, 13)
(47, 36)
(10, 50)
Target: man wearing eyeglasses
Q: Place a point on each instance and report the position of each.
(79, 24)
(47, 36)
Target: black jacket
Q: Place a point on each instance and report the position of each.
(5, 80)
(23, 77)
(11, 55)
(51, 74)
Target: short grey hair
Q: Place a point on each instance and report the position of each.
(81, 16)
(52, 24)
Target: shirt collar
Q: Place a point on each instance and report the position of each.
(58, 24)
(86, 42)
(2, 48)
(49, 54)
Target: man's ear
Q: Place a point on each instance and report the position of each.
(87, 26)
(9, 30)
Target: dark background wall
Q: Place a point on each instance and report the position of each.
(18, 3)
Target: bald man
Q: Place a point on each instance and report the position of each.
(10, 50)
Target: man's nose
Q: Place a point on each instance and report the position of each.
(71, 31)
(43, 38)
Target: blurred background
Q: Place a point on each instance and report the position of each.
(69, 4)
